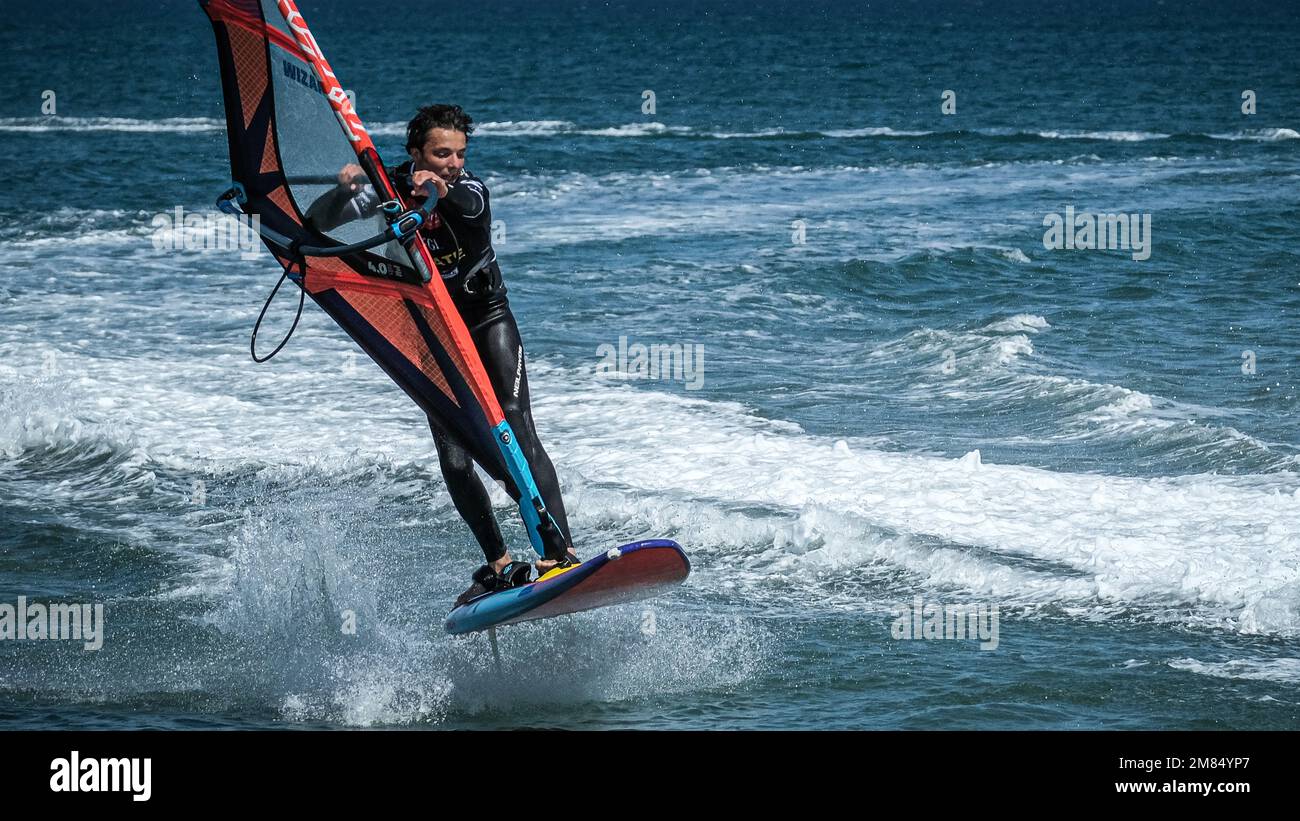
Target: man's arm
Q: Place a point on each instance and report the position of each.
(353, 199)
(469, 197)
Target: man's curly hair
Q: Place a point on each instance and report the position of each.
(436, 116)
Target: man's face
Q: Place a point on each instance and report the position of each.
(443, 153)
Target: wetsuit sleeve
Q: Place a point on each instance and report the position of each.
(469, 198)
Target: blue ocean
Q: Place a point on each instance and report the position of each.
(891, 314)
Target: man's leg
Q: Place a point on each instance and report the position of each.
(469, 496)
(502, 353)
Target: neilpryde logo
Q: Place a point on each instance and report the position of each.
(57, 621)
(77, 774)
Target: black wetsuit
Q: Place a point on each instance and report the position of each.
(459, 237)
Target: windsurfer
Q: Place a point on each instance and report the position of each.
(459, 238)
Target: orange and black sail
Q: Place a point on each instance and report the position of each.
(291, 129)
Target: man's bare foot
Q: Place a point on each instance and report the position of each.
(545, 565)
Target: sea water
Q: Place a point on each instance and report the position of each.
(884, 397)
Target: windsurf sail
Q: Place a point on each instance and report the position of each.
(292, 129)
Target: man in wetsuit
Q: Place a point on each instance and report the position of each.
(458, 236)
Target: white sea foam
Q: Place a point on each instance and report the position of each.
(1281, 670)
(876, 131)
(635, 130)
(1201, 540)
(174, 125)
(662, 463)
(516, 127)
(1266, 135)
(1020, 323)
(1110, 136)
